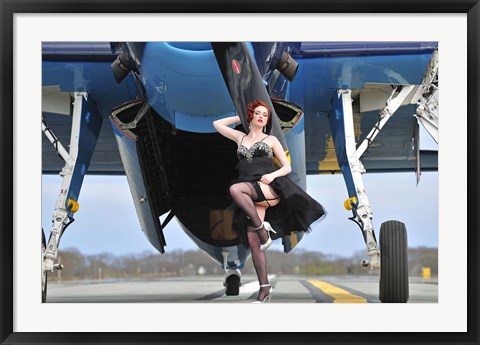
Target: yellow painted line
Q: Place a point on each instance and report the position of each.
(339, 295)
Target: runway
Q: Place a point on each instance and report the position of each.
(209, 289)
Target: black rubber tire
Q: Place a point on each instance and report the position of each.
(44, 287)
(393, 263)
(232, 285)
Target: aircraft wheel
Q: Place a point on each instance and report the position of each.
(44, 274)
(393, 263)
(232, 285)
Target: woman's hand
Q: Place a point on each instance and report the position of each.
(267, 178)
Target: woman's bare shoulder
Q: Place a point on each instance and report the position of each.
(272, 140)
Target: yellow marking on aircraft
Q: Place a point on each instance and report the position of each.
(287, 153)
(329, 163)
(339, 295)
(293, 239)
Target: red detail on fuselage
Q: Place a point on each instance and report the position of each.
(236, 66)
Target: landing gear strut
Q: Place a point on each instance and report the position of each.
(86, 124)
(391, 255)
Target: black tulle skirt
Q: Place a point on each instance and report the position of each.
(295, 212)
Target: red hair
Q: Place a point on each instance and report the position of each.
(254, 105)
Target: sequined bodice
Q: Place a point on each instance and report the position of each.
(260, 148)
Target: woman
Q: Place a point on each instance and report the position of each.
(263, 191)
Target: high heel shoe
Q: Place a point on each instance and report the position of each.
(268, 296)
(268, 243)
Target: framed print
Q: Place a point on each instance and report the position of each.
(28, 30)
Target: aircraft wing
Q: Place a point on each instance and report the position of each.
(105, 160)
(323, 68)
(394, 149)
(369, 70)
(69, 67)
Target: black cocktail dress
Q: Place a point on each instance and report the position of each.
(296, 210)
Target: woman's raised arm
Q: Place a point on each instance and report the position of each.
(222, 126)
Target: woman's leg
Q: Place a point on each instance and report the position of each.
(271, 199)
(243, 193)
(258, 257)
(261, 233)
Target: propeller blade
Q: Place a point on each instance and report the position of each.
(245, 85)
(244, 82)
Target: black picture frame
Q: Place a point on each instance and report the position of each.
(10, 7)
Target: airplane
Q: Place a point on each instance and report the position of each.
(145, 110)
